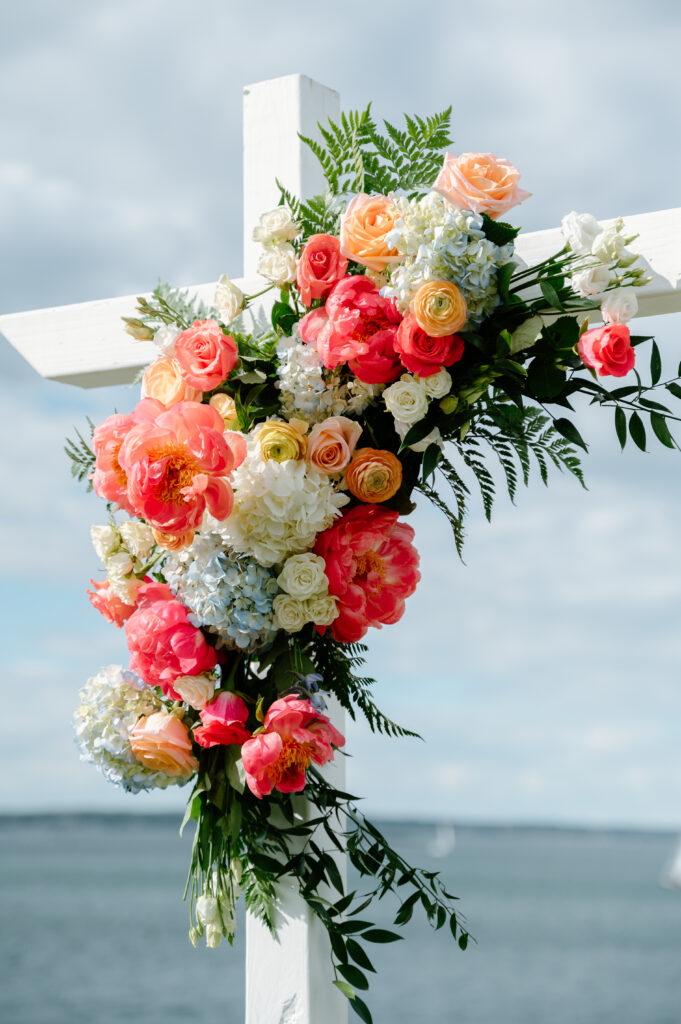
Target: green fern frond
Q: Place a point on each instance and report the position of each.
(82, 456)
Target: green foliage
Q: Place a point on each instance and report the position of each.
(167, 305)
(82, 457)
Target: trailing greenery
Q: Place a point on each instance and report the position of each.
(81, 456)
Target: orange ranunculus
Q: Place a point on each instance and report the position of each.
(364, 225)
(172, 541)
(162, 743)
(163, 380)
(439, 308)
(480, 182)
(373, 475)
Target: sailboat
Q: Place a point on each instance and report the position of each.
(671, 876)
(443, 842)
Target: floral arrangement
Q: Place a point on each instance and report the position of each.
(258, 491)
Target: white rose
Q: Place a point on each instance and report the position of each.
(608, 246)
(195, 690)
(438, 384)
(321, 609)
(229, 300)
(104, 540)
(579, 231)
(434, 437)
(166, 337)
(275, 226)
(619, 306)
(290, 614)
(138, 538)
(277, 263)
(591, 280)
(303, 576)
(406, 399)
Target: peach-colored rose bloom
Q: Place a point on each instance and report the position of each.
(373, 475)
(226, 406)
(364, 225)
(172, 541)
(163, 380)
(162, 743)
(480, 182)
(439, 308)
(331, 443)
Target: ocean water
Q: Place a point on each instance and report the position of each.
(571, 926)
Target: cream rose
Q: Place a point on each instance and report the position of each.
(438, 384)
(229, 300)
(226, 406)
(321, 609)
(277, 264)
(275, 226)
(619, 306)
(304, 575)
(195, 690)
(406, 399)
(290, 614)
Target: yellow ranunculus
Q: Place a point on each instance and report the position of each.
(281, 441)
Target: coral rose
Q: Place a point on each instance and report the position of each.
(439, 308)
(281, 441)
(374, 475)
(331, 443)
(223, 721)
(163, 380)
(423, 354)
(320, 267)
(109, 480)
(161, 742)
(480, 182)
(294, 735)
(206, 355)
(372, 567)
(108, 604)
(364, 225)
(163, 643)
(607, 350)
(177, 466)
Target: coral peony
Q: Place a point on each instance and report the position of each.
(223, 721)
(206, 355)
(320, 267)
(162, 641)
(161, 743)
(364, 226)
(607, 350)
(109, 479)
(480, 182)
(372, 567)
(373, 475)
(294, 735)
(111, 607)
(422, 353)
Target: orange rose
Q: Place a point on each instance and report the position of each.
(163, 380)
(331, 443)
(364, 225)
(480, 182)
(373, 475)
(439, 308)
(172, 541)
(161, 742)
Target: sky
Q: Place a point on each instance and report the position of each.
(544, 674)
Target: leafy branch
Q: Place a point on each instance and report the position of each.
(82, 456)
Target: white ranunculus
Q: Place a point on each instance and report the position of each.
(277, 263)
(229, 300)
(407, 399)
(619, 306)
(275, 226)
(195, 690)
(321, 609)
(304, 575)
(166, 337)
(438, 384)
(104, 540)
(591, 280)
(138, 538)
(434, 437)
(579, 231)
(608, 246)
(290, 614)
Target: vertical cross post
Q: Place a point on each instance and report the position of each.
(288, 979)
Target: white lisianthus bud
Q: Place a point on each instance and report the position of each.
(207, 910)
(591, 280)
(277, 263)
(195, 690)
(321, 609)
(304, 575)
(619, 306)
(627, 258)
(104, 540)
(438, 384)
(290, 614)
(166, 337)
(434, 437)
(406, 399)
(229, 300)
(580, 231)
(275, 226)
(137, 537)
(608, 246)
(213, 936)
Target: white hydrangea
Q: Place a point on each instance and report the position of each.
(111, 704)
(441, 242)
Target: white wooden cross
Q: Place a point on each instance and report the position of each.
(288, 982)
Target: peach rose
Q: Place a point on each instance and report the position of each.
(320, 266)
(480, 182)
(172, 541)
(364, 225)
(331, 443)
(206, 355)
(161, 742)
(373, 475)
(226, 406)
(163, 380)
(439, 308)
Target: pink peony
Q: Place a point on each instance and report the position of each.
(206, 355)
(176, 466)
(320, 267)
(356, 326)
(223, 721)
(607, 350)
(111, 607)
(295, 734)
(372, 567)
(109, 479)
(425, 355)
(162, 641)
